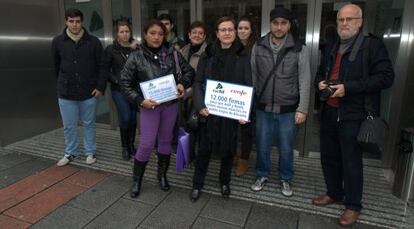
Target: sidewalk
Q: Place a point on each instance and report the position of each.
(34, 192)
(34, 157)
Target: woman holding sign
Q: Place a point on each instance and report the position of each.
(151, 66)
(224, 60)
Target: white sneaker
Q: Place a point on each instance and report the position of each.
(90, 159)
(286, 188)
(259, 184)
(65, 160)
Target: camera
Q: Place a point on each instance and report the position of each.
(328, 91)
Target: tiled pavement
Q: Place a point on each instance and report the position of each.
(41, 195)
(35, 192)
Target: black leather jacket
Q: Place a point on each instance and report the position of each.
(143, 65)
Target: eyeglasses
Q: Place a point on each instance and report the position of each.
(230, 30)
(346, 19)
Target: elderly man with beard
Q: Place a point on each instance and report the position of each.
(343, 109)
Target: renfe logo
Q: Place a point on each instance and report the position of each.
(241, 93)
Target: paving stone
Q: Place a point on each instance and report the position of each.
(87, 177)
(202, 223)
(122, 214)
(176, 211)
(13, 159)
(61, 172)
(150, 194)
(102, 195)
(308, 221)
(263, 216)
(16, 173)
(37, 207)
(65, 217)
(7, 222)
(23, 189)
(230, 210)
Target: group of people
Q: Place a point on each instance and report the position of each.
(277, 65)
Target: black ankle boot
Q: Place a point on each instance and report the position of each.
(195, 194)
(163, 163)
(125, 141)
(131, 144)
(225, 190)
(138, 174)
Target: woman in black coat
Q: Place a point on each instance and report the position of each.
(224, 60)
(115, 58)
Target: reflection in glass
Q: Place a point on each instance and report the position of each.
(178, 9)
(92, 16)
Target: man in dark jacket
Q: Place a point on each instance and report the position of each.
(281, 74)
(343, 89)
(80, 79)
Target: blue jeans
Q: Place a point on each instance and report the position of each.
(71, 111)
(127, 112)
(282, 128)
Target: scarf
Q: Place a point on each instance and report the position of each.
(75, 37)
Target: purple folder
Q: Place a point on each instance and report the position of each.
(183, 150)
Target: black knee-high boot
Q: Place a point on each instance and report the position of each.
(131, 144)
(163, 164)
(124, 142)
(138, 174)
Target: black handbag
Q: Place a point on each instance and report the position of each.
(192, 121)
(372, 134)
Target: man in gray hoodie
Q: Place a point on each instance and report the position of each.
(281, 74)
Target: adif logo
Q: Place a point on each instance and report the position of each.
(151, 85)
(219, 89)
(239, 92)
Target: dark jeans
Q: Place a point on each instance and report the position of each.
(246, 140)
(127, 112)
(341, 158)
(203, 159)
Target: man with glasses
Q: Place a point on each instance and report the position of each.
(343, 91)
(281, 74)
(78, 62)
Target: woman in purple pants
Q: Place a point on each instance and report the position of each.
(154, 59)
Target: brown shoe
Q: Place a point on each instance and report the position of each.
(242, 167)
(323, 200)
(348, 218)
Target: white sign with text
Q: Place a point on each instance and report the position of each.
(162, 89)
(228, 99)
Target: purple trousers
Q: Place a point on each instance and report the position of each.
(156, 124)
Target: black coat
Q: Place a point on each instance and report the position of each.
(143, 65)
(78, 66)
(114, 61)
(381, 76)
(220, 132)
